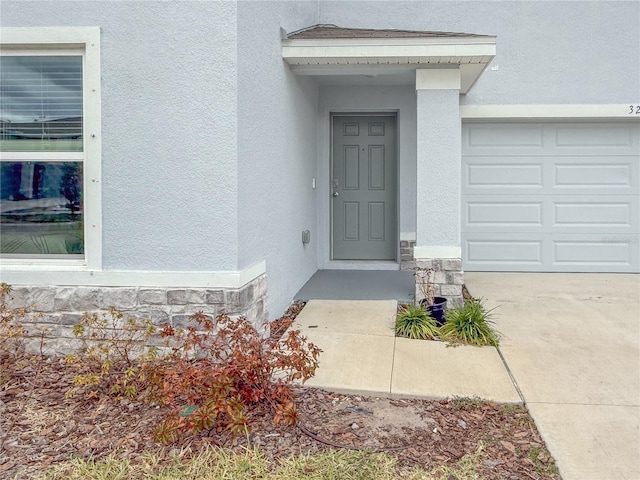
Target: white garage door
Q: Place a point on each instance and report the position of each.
(548, 197)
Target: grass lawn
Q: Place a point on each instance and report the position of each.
(223, 464)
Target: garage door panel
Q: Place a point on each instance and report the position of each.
(503, 253)
(547, 253)
(595, 213)
(522, 137)
(593, 252)
(551, 197)
(485, 173)
(560, 214)
(485, 213)
(512, 213)
(568, 174)
(593, 139)
(595, 174)
(562, 139)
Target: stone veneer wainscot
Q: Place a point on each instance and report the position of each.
(60, 308)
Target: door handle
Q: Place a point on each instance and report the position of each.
(335, 194)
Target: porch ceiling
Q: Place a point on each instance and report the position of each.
(327, 50)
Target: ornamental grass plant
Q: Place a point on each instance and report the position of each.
(470, 325)
(415, 322)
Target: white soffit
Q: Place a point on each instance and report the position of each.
(380, 56)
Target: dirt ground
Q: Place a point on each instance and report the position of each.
(40, 426)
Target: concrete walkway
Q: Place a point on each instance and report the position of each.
(362, 355)
(572, 344)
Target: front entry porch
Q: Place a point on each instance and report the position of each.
(416, 77)
(396, 285)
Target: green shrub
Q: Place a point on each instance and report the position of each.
(469, 324)
(112, 352)
(414, 322)
(13, 354)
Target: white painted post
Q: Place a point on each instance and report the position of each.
(438, 177)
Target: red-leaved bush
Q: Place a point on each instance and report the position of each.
(223, 371)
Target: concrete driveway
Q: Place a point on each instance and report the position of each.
(571, 342)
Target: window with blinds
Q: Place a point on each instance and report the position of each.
(40, 103)
(41, 142)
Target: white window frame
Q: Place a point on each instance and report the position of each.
(83, 41)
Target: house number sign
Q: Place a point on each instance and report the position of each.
(634, 110)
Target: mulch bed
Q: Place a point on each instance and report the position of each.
(40, 426)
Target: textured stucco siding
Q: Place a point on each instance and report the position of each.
(277, 150)
(547, 51)
(210, 143)
(438, 169)
(169, 128)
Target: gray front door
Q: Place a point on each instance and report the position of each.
(363, 187)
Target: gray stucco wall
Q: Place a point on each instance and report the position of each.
(277, 150)
(169, 146)
(438, 169)
(548, 51)
(210, 143)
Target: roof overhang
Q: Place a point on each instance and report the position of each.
(387, 56)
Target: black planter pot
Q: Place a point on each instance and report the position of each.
(437, 309)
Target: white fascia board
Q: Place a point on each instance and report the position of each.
(390, 41)
(470, 73)
(621, 111)
(295, 55)
(81, 276)
(362, 56)
(296, 51)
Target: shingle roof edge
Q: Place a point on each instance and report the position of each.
(330, 31)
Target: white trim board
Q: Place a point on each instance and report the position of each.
(50, 36)
(69, 41)
(357, 56)
(420, 252)
(617, 111)
(73, 276)
(438, 79)
(298, 50)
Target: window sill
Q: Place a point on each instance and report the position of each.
(16, 264)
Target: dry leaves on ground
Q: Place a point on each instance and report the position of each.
(39, 426)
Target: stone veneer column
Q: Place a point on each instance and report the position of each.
(439, 168)
(406, 254)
